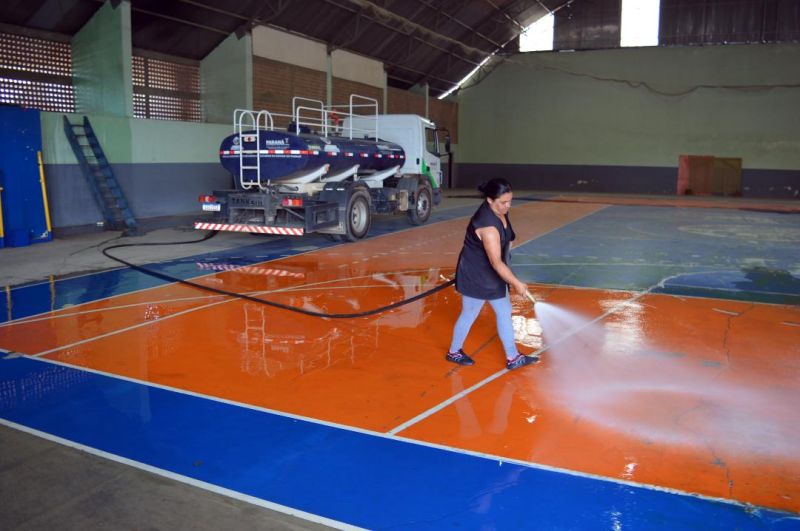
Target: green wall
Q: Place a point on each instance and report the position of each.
(162, 166)
(101, 63)
(550, 108)
(226, 75)
(135, 140)
(171, 141)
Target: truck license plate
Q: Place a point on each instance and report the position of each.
(212, 207)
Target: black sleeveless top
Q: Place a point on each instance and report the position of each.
(475, 276)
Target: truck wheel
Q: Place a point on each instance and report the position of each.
(421, 211)
(358, 217)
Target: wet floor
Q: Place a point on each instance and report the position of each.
(669, 339)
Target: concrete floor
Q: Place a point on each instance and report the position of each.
(78, 254)
(45, 485)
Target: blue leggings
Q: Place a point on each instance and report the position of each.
(470, 308)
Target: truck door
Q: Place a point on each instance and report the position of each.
(432, 166)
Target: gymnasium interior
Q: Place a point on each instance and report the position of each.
(229, 234)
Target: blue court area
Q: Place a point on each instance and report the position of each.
(732, 254)
(352, 477)
(372, 480)
(33, 299)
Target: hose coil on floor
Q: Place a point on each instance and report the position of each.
(211, 234)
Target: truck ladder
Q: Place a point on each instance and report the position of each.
(253, 142)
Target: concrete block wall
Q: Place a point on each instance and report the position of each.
(286, 65)
(275, 83)
(343, 88)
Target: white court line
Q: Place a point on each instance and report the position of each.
(548, 286)
(442, 405)
(601, 264)
(568, 335)
(391, 436)
(127, 329)
(731, 290)
(189, 299)
(497, 458)
(26, 320)
(183, 479)
(210, 274)
(81, 275)
(288, 289)
(188, 257)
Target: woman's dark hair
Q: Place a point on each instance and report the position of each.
(494, 188)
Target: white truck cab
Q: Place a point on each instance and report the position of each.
(415, 134)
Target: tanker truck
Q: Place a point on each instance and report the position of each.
(328, 171)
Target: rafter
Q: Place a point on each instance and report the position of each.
(386, 42)
(375, 11)
(358, 31)
(503, 12)
(480, 24)
(460, 23)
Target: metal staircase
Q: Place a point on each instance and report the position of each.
(98, 173)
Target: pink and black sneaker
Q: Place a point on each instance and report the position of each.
(459, 357)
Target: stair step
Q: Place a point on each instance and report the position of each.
(100, 176)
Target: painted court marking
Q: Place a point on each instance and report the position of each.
(391, 434)
(567, 335)
(288, 289)
(183, 479)
(499, 459)
(107, 309)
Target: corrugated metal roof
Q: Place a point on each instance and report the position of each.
(419, 41)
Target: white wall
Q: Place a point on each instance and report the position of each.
(358, 68)
(295, 50)
(287, 48)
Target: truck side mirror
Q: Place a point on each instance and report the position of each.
(447, 143)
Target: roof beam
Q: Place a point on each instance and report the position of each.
(503, 12)
(386, 42)
(366, 14)
(435, 65)
(520, 28)
(215, 9)
(358, 30)
(369, 8)
(457, 21)
(248, 21)
(480, 24)
(176, 19)
(180, 20)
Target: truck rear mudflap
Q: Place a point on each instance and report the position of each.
(282, 214)
(243, 227)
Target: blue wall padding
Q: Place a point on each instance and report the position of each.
(23, 206)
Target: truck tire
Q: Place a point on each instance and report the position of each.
(421, 211)
(357, 216)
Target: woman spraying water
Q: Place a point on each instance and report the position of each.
(483, 275)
